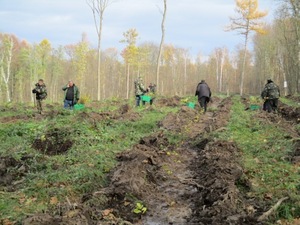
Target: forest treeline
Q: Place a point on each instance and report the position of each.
(274, 54)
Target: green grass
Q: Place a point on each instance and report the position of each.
(289, 102)
(84, 167)
(81, 170)
(264, 152)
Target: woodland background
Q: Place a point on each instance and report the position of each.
(274, 53)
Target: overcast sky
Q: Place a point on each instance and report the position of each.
(197, 25)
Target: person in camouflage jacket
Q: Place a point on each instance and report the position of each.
(139, 91)
(40, 92)
(270, 94)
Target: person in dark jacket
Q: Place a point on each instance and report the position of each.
(204, 94)
(40, 92)
(270, 94)
(72, 95)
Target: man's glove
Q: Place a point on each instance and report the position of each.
(34, 91)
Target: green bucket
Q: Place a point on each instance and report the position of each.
(146, 98)
(254, 107)
(191, 105)
(79, 106)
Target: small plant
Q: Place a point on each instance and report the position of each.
(139, 208)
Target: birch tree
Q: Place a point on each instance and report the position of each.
(6, 54)
(98, 8)
(161, 42)
(247, 20)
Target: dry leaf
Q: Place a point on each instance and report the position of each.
(268, 196)
(106, 212)
(72, 213)
(7, 222)
(126, 203)
(53, 200)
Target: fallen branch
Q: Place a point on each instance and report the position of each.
(270, 211)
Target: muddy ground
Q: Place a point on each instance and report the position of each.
(195, 182)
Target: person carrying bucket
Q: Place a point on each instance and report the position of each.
(72, 95)
(204, 94)
(139, 91)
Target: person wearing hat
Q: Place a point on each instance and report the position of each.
(203, 92)
(40, 92)
(270, 94)
(71, 95)
(139, 91)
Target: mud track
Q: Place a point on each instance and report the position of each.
(194, 182)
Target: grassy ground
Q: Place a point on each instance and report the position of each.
(290, 102)
(51, 179)
(66, 177)
(264, 150)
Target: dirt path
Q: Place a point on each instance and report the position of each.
(192, 183)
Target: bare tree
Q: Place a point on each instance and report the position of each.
(245, 22)
(161, 42)
(98, 7)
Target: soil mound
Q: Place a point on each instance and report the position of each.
(11, 173)
(220, 202)
(176, 121)
(289, 113)
(173, 101)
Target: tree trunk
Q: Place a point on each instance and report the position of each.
(127, 85)
(161, 44)
(99, 60)
(244, 64)
(6, 60)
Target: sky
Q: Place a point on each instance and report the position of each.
(196, 25)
